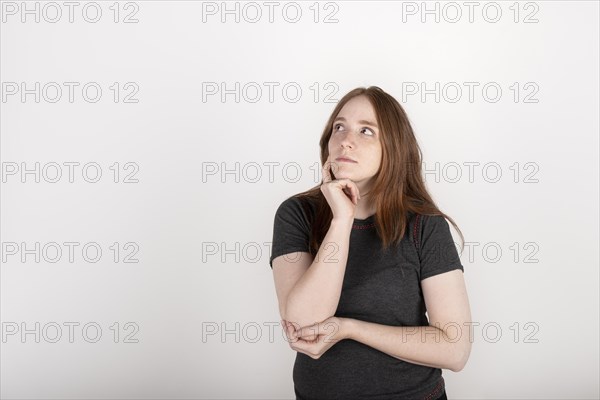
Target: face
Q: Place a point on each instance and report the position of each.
(355, 135)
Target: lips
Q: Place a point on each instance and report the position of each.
(345, 159)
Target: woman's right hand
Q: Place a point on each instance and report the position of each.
(342, 195)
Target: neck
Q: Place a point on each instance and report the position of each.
(364, 209)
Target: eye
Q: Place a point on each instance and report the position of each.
(335, 126)
(371, 133)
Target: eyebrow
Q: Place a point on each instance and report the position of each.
(362, 121)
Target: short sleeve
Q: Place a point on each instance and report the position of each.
(291, 231)
(437, 249)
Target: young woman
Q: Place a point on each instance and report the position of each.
(359, 259)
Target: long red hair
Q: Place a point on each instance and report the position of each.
(398, 187)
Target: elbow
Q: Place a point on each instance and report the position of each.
(461, 357)
(457, 367)
(301, 316)
(297, 316)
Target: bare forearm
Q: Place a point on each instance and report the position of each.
(316, 295)
(422, 345)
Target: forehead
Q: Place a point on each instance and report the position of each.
(358, 107)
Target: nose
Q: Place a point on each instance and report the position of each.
(347, 140)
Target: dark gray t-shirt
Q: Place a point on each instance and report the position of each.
(381, 287)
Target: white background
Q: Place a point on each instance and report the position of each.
(543, 219)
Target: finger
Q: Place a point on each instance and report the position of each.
(353, 191)
(357, 192)
(287, 326)
(325, 170)
(349, 188)
(311, 330)
(306, 335)
(305, 347)
(291, 330)
(291, 336)
(293, 325)
(313, 350)
(334, 166)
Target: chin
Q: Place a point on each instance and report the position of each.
(347, 176)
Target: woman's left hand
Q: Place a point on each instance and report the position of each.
(315, 340)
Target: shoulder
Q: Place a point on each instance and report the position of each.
(293, 204)
(425, 219)
(423, 227)
(295, 207)
(433, 222)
